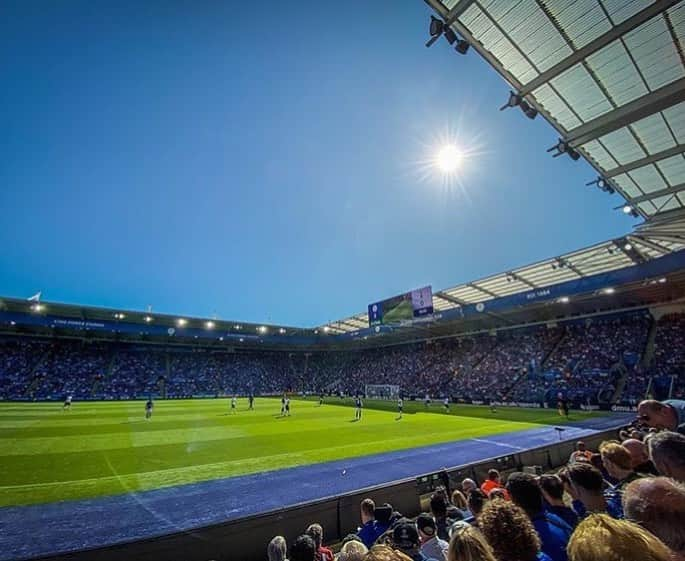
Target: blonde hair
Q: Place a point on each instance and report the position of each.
(617, 454)
(276, 550)
(458, 499)
(385, 553)
(469, 544)
(352, 551)
(602, 538)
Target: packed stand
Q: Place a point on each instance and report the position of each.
(622, 502)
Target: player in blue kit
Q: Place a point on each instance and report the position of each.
(148, 409)
(67, 403)
(446, 403)
(250, 401)
(234, 403)
(358, 408)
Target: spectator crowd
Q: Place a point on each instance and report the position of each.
(587, 361)
(622, 502)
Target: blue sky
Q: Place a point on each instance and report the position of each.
(264, 161)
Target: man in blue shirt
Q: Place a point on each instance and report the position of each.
(368, 532)
(669, 414)
(553, 531)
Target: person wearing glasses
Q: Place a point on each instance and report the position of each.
(669, 414)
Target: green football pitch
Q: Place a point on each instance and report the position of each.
(106, 448)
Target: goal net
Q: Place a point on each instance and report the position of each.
(382, 391)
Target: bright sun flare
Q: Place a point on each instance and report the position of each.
(449, 158)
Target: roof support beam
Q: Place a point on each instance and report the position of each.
(564, 263)
(651, 244)
(451, 299)
(597, 44)
(642, 107)
(459, 8)
(521, 279)
(657, 194)
(483, 290)
(674, 151)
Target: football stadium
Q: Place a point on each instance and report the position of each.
(533, 412)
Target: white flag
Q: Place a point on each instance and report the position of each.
(35, 297)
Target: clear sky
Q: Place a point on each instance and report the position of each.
(264, 161)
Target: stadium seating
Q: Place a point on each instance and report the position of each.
(587, 361)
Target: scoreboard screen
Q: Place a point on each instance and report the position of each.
(404, 307)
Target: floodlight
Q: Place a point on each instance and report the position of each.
(662, 280)
(436, 27)
(513, 101)
(609, 290)
(326, 329)
(281, 331)
(564, 299)
(451, 36)
(37, 307)
(209, 325)
(462, 46)
(238, 327)
(181, 322)
(147, 319)
(628, 247)
(528, 110)
(262, 329)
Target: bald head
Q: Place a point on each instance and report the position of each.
(656, 414)
(658, 505)
(638, 451)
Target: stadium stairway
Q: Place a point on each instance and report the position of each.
(648, 352)
(554, 349)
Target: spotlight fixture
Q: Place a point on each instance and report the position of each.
(564, 299)
(609, 290)
(326, 329)
(462, 46)
(603, 185)
(436, 27)
(528, 110)
(281, 331)
(628, 247)
(513, 101)
(627, 209)
(37, 307)
(147, 319)
(209, 325)
(181, 322)
(563, 147)
(450, 35)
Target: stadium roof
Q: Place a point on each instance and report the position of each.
(608, 75)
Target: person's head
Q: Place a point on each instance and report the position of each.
(667, 452)
(580, 446)
(405, 537)
(426, 526)
(525, 492)
(353, 550)
(616, 459)
(468, 485)
(658, 505)
(383, 513)
(637, 451)
(584, 482)
(476, 501)
(438, 505)
(552, 489)
(368, 507)
(602, 538)
(458, 499)
(315, 531)
(386, 553)
(468, 544)
(497, 493)
(277, 549)
(493, 475)
(657, 415)
(509, 531)
(303, 549)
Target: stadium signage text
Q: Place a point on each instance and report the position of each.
(78, 323)
(538, 294)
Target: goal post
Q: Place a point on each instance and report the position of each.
(381, 391)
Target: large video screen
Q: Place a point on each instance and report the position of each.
(404, 307)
